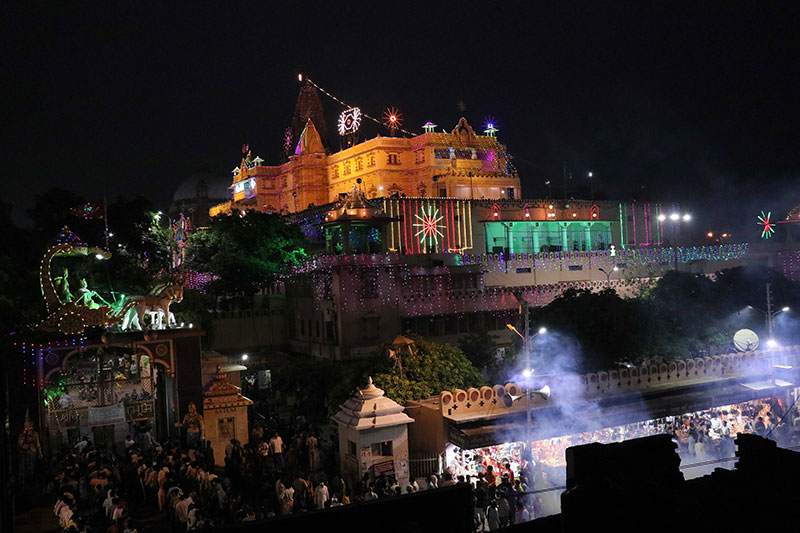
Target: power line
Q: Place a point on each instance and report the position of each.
(347, 106)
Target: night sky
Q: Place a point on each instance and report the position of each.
(684, 102)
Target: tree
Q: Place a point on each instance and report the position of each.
(479, 347)
(245, 252)
(428, 370)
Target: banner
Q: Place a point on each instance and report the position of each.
(103, 416)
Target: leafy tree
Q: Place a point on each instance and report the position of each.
(479, 347)
(245, 253)
(429, 369)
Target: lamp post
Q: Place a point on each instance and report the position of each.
(608, 274)
(676, 218)
(769, 314)
(528, 373)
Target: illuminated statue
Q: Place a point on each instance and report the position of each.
(30, 450)
(86, 296)
(134, 318)
(195, 429)
(62, 282)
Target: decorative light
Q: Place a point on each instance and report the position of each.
(429, 127)
(99, 257)
(662, 217)
(711, 234)
(674, 216)
(687, 217)
(349, 121)
(429, 225)
(542, 330)
(392, 119)
(490, 129)
(767, 227)
(245, 357)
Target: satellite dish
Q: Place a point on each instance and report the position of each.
(745, 340)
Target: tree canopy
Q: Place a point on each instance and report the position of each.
(245, 253)
(429, 369)
(682, 315)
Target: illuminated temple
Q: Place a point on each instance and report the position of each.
(457, 164)
(430, 234)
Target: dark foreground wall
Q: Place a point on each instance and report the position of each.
(448, 509)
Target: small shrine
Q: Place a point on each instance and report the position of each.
(373, 436)
(225, 413)
(356, 225)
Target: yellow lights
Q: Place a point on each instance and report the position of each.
(710, 233)
(550, 206)
(496, 214)
(574, 215)
(594, 215)
(527, 215)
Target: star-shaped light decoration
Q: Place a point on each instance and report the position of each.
(767, 227)
(429, 226)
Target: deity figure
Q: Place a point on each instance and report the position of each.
(29, 450)
(87, 295)
(62, 282)
(194, 424)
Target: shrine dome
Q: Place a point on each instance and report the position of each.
(202, 185)
(370, 409)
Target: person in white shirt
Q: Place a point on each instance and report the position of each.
(276, 449)
(321, 495)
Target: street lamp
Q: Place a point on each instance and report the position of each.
(528, 372)
(608, 274)
(676, 218)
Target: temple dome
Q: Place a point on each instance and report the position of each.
(202, 185)
(370, 409)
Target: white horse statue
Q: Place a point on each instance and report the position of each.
(157, 306)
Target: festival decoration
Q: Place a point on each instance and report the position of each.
(767, 227)
(429, 226)
(347, 106)
(349, 121)
(429, 127)
(65, 315)
(88, 211)
(392, 119)
(489, 128)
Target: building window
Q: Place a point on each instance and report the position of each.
(419, 156)
(382, 449)
(524, 270)
(576, 267)
(441, 153)
(370, 160)
(392, 159)
(346, 168)
(334, 172)
(351, 448)
(370, 284)
(360, 163)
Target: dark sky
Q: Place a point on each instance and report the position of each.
(691, 102)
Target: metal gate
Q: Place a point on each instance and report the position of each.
(423, 465)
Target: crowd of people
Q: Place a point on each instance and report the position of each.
(143, 483)
(701, 436)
